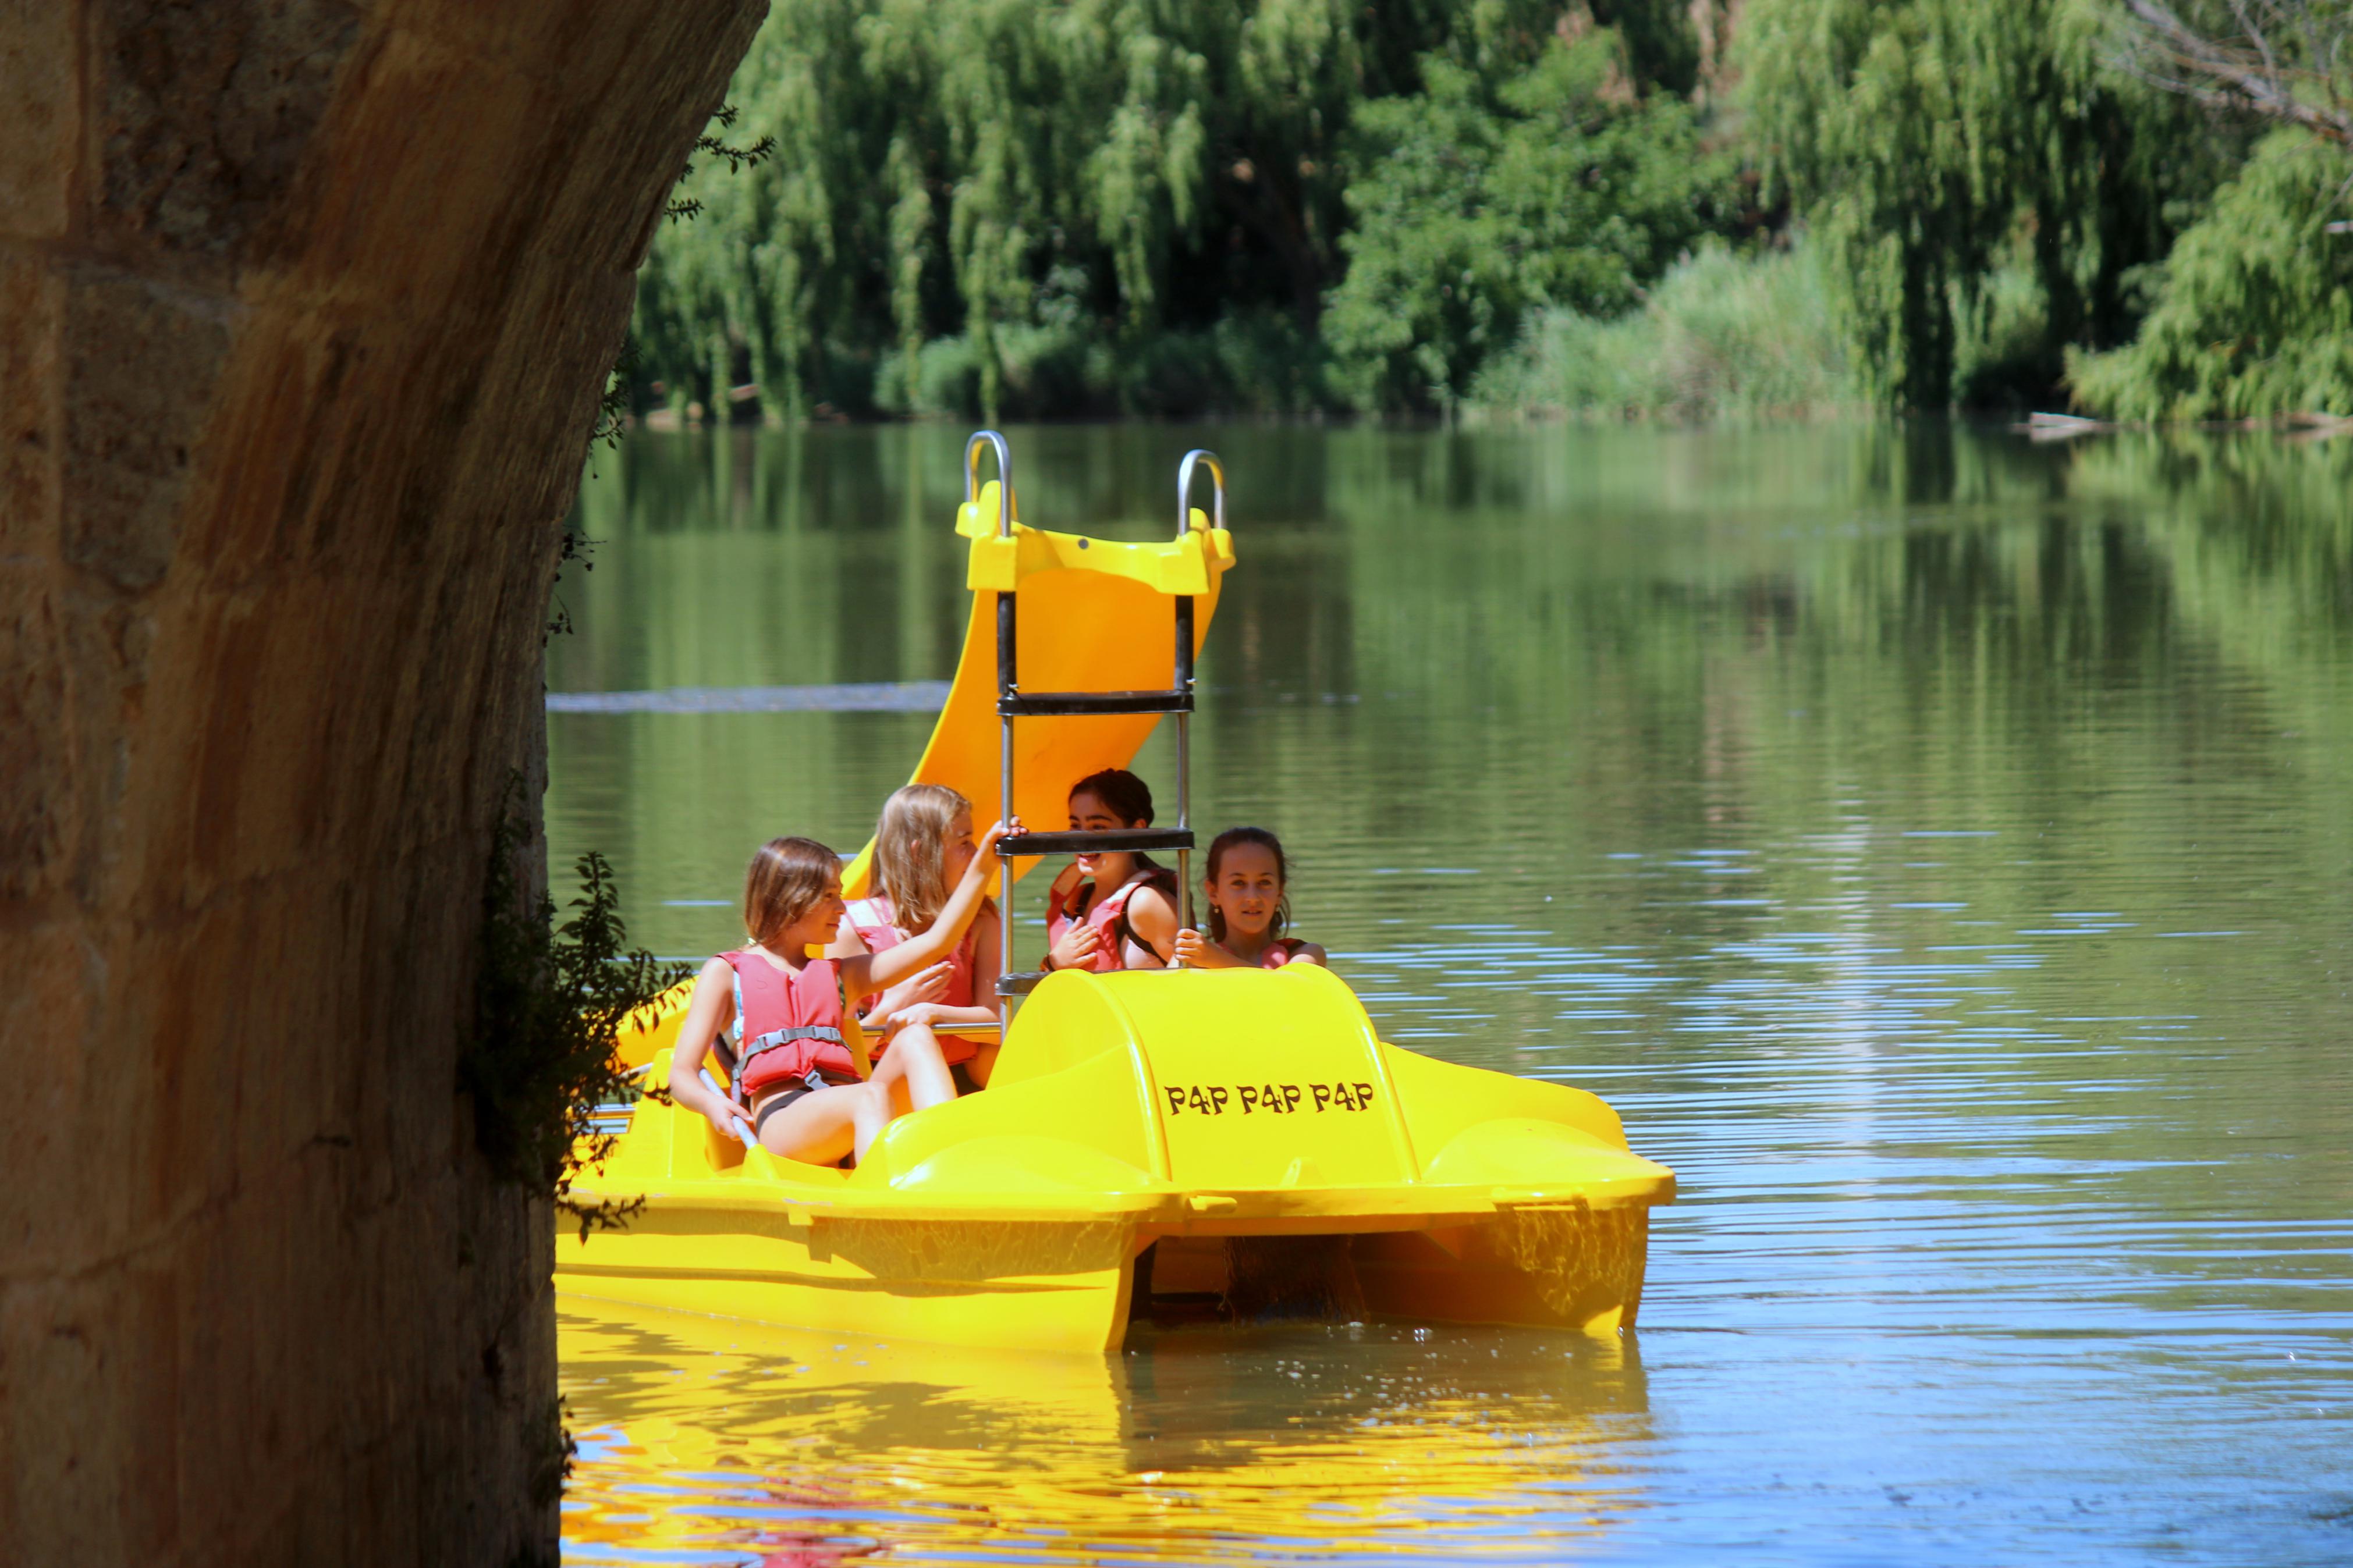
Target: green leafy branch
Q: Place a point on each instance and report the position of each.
(550, 1004)
(737, 159)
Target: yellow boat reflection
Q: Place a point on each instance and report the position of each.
(713, 1441)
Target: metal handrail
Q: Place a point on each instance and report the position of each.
(1185, 490)
(1009, 684)
(1185, 470)
(1005, 479)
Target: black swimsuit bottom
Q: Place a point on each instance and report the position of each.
(811, 1081)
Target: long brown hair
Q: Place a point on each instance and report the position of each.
(786, 878)
(1273, 845)
(909, 852)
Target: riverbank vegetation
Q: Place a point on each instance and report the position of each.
(1593, 208)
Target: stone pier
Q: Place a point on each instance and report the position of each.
(304, 308)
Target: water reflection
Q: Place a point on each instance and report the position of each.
(706, 1441)
(1939, 847)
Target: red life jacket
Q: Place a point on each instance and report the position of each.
(871, 919)
(1120, 950)
(787, 1025)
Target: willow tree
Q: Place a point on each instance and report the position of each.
(1112, 175)
(973, 169)
(1931, 143)
(2254, 313)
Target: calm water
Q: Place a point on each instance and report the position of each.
(1940, 849)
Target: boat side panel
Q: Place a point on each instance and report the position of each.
(1093, 1100)
(1567, 1268)
(1442, 1099)
(1050, 1286)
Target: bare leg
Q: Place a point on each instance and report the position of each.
(914, 1057)
(874, 1114)
(983, 1063)
(820, 1128)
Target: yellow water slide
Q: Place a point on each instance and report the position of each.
(1091, 624)
(1087, 617)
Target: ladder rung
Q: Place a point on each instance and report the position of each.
(1044, 704)
(1020, 984)
(1090, 843)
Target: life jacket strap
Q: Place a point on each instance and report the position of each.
(774, 1038)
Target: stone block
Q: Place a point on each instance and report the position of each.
(141, 364)
(38, 753)
(204, 116)
(42, 91)
(32, 304)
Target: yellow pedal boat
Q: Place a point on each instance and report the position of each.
(1152, 1142)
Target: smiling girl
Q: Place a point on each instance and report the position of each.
(1245, 890)
(1115, 909)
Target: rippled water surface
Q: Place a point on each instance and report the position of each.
(1938, 848)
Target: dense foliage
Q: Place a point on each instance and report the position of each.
(1934, 143)
(2255, 317)
(1175, 207)
(1722, 336)
(1476, 203)
(981, 205)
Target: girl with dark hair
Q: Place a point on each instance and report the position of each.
(1245, 888)
(1116, 909)
(796, 1091)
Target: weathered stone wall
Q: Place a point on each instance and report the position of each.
(303, 306)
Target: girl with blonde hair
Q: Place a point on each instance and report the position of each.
(923, 848)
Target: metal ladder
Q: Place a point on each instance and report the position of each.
(1013, 703)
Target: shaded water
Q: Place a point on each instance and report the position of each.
(1939, 848)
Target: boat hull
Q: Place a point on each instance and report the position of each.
(1136, 1153)
(1073, 1286)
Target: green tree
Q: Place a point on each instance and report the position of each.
(1931, 143)
(1003, 181)
(2254, 313)
(1565, 184)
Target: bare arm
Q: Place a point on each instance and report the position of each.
(1153, 919)
(1309, 952)
(985, 943)
(1195, 951)
(847, 942)
(863, 975)
(985, 1008)
(707, 1012)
